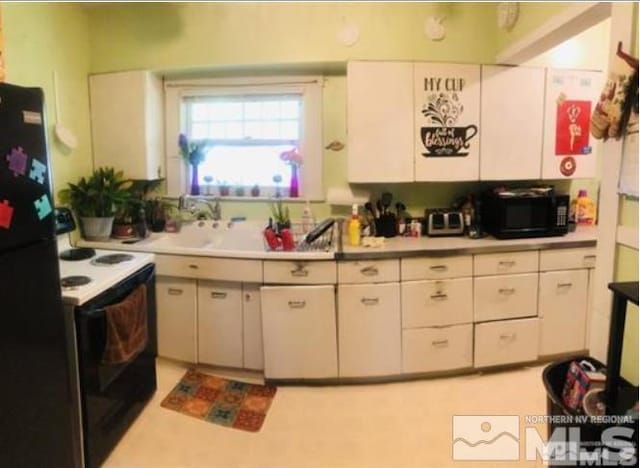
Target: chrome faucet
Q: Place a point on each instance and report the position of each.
(184, 205)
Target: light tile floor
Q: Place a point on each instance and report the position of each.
(407, 424)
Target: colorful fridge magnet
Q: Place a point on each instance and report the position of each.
(17, 161)
(572, 127)
(43, 206)
(38, 171)
(6, 212)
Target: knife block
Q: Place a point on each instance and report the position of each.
(386, 225)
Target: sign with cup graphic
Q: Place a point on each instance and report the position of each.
(448, 115)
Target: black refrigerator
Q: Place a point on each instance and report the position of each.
(39, 404)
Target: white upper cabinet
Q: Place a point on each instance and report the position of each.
(511, 122)
(126, 122)
(380, 121)
(446, 120)
(569, 150)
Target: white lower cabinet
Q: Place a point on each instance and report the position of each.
(369, 330)
(220, 323)
(563, 311)
(505, 296)
(252, 327)
(177, 318)
(437, 348)
(299, 332)
(506, 342)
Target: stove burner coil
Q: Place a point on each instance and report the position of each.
(112, 259)
(81, 253)
(74, 281)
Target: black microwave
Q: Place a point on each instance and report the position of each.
(525, 212)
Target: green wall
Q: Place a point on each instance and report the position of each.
(41, 38)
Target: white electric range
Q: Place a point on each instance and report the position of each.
(85, 278)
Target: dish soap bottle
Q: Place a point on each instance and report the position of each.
(354, 227)
(307, 218)
(584, 209)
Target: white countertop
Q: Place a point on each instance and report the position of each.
(246, 242)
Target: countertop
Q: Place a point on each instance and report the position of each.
(393, 248)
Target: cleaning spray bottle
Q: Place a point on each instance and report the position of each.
(307, 218)
(354, 227)
(584, 209)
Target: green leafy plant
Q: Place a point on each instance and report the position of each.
(102, 194)
(138, 202)
(280, 213)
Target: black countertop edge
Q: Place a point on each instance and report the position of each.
(384, 254)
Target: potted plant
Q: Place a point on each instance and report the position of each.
(239, 191)
(96, 199)
(224, 188)
(138, 212)
(255, 191)
(280, 214)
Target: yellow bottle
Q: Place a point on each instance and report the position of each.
(585, 209)
(354, 227)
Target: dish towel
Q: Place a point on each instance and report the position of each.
(126, 327)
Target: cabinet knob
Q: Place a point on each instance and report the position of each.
(370, 300)
(507, 291)
(440, 343)
(175, 291)
(506, 263)
(193, 267)
(300, 272)
(564, 285)
(438, 268)
(369, 271)
(297, 304)
(218, 295)
(508, 336)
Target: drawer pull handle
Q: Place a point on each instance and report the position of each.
(438, 268)
(247, 297)
(508, 336)
(440, 343)
(507, 291)
(589, 257)
(439, 296)
(506, 263)
(370, 301)
(175, 292)
(193, 267)
(297, 304)
(218, 295)
(565, 285)
(369, 271)
(300, 272)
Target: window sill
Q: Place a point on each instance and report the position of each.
(254, 199)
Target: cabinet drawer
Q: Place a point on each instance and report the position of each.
(225, 269)
(176, 304)
(567, 259)
(505, 263)
(377, 271)
(437, 303)
(437, 349)
(299, 332)
(369, 330)
(300, 272)
(436, 267)
(563, 311)
(502, 297)
(506, 342)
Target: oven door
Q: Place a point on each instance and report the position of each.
(113, 395)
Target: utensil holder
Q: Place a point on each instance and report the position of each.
(386, 225)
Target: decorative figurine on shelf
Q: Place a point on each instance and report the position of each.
(193, 153)
(294, 159)
(276, 180)
(255, 191)
(208, 180)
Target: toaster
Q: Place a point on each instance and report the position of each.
(444, 222)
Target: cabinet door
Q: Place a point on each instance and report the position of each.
(569, 149)
(380, 121)
(563, 311)
(446, 119)
(299, 332)
(252, 327)
(220, 323)
(369, 330)
(511, 122)
(126, 122)
(176, 306)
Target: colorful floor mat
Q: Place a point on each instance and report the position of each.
(220, 401)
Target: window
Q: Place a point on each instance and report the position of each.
(247, 126)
